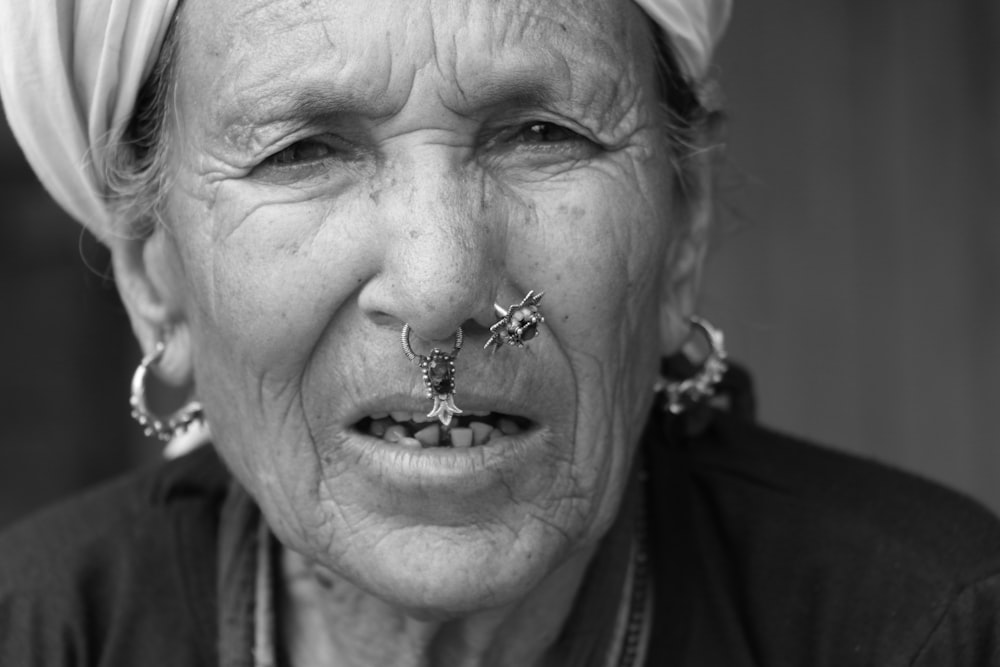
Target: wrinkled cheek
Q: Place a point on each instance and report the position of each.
(252, 324)
(261, 275)
(605, 271)
(608, 282)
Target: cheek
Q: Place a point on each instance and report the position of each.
(266, 280)
(600, 259)
(604, 261)
(266, 276)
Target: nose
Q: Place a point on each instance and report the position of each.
(442, 230)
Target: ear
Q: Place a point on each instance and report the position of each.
(685, 258)
(150, 281)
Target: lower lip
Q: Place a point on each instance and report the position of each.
(447, 469)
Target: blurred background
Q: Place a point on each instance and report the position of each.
(856, 269)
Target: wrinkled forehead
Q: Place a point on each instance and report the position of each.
(377, 47)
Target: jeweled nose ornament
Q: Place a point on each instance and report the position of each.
(518, 324)
(439, 375)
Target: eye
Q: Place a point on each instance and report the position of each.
(541, 132)
(320, 156)
(541, 143)
(301, 152)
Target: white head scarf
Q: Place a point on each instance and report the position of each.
(694, 28)
(70, 72)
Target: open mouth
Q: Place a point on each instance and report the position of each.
(470, 429)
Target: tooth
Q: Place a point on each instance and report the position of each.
(508, 427)
(461, 437)
(418, 417)
(429, 436)
(379, 415)
(377, 428)
(395, 433)
(400, 416)
(481, 432)
(411, 442)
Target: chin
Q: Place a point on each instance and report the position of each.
(434, 573)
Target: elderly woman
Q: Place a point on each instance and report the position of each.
(412, 266)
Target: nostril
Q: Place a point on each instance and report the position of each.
(384, 320)
(474, 329)
(415, 343)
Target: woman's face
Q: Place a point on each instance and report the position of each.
(344, 166)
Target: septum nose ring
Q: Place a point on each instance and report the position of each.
(517, 324)
(439, 375)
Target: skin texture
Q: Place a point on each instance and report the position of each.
(340, 168)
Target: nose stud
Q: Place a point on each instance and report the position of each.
(517, 324)
(439, 375)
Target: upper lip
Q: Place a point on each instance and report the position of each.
(467, 401)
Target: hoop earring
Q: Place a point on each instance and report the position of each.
(680, 395)
(176, 422)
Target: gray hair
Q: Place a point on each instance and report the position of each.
(136, 172)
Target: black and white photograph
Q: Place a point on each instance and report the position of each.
(500, 333)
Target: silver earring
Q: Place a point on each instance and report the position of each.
(176, 422)
(679, 395)
(439, 375)
(517, 324)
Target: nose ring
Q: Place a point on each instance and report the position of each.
(518, 324)
(439, 375)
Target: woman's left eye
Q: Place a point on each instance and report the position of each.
(541, 143)
(543, 132)
(546, 133)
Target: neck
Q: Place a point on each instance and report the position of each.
(328, 620)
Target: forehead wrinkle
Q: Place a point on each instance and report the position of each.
(253, 92)
(274, 40)
(582, 86)
(219, 27)
(555, 50)
(483, 53)
(505, 30)
(267, 12)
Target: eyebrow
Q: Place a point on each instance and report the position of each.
(588, 80)
(249, 117)
(599, 99)
(507, 87)
(309, 102)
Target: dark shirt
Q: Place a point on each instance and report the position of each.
(765, 551)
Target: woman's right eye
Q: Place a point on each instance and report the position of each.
(301, 152)
(321, 155)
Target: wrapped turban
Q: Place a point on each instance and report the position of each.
(70, 72)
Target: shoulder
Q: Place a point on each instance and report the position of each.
(846, 496)
(112, 568)
(827, 558)
(112, 521)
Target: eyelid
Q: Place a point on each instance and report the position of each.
(343, 153)
(508, 140)
(503, 128)
(323, 140)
